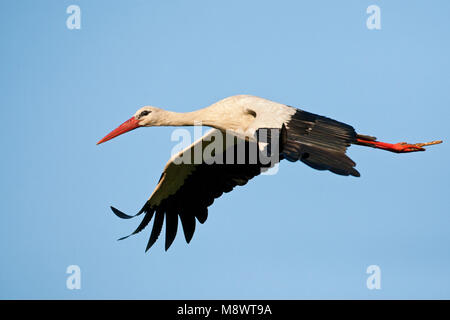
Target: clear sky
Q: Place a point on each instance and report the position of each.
(298, 234)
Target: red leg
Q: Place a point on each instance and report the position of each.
(400, 147)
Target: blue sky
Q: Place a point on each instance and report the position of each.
(300, 234)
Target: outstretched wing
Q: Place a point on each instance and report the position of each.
(186, 190)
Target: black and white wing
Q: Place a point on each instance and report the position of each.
(186, 190)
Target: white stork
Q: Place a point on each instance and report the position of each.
(188, 189)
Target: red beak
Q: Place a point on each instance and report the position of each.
(128, 125)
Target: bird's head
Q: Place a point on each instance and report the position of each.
(147, 116)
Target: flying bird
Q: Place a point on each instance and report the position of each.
(186, 189)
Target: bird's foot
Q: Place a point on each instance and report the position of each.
(403, 147)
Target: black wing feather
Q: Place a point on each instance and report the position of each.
(147, 218)
(188, 222)
(319, 142)
(171, 227)
(156, 230)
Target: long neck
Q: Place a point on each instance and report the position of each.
(210, 116)
(199, 117)
(219, 115)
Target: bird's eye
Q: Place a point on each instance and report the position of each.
(144, 113)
